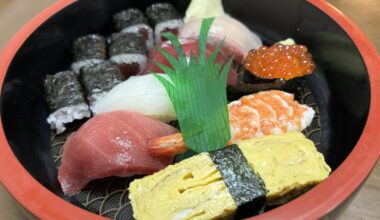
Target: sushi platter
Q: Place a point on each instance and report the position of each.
(187, 111)
(118, 92)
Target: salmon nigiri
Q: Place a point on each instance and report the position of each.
(256, 115)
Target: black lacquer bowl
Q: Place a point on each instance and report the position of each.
(344, 91)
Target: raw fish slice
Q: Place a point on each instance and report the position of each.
(238, 39)
(111, 144)
(189, 46)
(142, 94)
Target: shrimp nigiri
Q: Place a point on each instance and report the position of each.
(255, 115)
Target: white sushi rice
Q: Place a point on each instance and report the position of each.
(131, 58)
(171, 24)
(135, 29)
(76, 66)
(307, 117)
(94, 98)
(62, 116)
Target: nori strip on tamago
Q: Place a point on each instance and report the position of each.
(88, 49)
(246, 187)
(98, 79)
(63, 89)
(129, 18)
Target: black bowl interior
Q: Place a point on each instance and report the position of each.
(340, 86)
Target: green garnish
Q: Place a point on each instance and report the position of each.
(197, 90)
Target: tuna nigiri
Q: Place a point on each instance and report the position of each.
(256, 115)
(111, 144)
(189, 46)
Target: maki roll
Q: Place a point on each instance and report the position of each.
(98, 79)
(164, 18)
(134, 21)
(88, 49)
(128, 51)
(65, 98)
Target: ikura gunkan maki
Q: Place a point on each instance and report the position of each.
(243, 154)
(134, 21)
(128, 51)
(88, 49)
(66, 100)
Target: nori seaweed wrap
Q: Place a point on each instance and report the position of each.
(134, 21)
(98, 79)
(164, 17)
(246, 187)
(64, 96)
(128, 51)
(88, 49)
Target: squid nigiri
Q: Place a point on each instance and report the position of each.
(142, 94)
(238, 39)
(256, 115)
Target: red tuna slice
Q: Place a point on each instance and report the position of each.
(111, 144)
(189, 46)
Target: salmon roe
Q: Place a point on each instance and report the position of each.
(280, 61)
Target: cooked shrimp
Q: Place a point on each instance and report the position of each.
(256, 115)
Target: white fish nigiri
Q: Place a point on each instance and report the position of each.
(204, 9)
(238, 39)
(142, 94)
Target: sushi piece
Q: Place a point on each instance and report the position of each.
(110, 144)
(280, 61)
(134, 21)
(164, 18)
(65, 98)
(289, 164)
(256, 115)
(98, 79)
(238, 39)
(189, 46)
(88, 49)
(246, 187)
(142, 94)
(218, 184)
(204, 9)
(185, 190)
(128, 51)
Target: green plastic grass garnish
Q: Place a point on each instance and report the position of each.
(197, 90)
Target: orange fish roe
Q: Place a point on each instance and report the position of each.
(280, 61)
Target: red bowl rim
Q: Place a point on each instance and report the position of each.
(312, 205)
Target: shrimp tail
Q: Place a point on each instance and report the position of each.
(167, 146)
